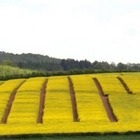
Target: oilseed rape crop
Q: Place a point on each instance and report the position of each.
(89, 104)
(110, 84)
(26, 104)
(126, 107)
(6, 90)
(57, 101)
(132, 81)
(24, 110)
(32, 84)
(51, 99)
(10, 85)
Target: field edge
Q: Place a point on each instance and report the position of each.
(39, 135)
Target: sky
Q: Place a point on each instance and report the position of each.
(102, 30)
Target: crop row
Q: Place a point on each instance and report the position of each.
(5, 91)
(89, 104)
(26, 104)
(57, 102)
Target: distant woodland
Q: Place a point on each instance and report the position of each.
(46, 63)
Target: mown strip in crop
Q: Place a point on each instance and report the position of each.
(9, 104)
(105, 101)
(42, 102)
(73, 101)
(124, 85)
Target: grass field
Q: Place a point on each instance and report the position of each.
(57, 109)
(75, 137)
(10, 71)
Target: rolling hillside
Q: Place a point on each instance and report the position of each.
(95, 103)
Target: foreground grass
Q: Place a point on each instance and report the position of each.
(76, 137)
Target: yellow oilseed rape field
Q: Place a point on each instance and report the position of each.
(57, 101)
(89, 104)
(126, 108)
(5, 91)
(10, 85)
(130, 79)
(32, 84)
(26, 104)
(110, 84)
(54, 99)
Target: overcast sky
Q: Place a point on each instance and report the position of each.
(102, 30)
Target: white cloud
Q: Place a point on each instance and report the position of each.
(81, 29)
(128, 1)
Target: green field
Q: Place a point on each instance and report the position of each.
(76, 137)
(52, 105)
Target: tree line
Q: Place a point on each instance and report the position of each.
(48, 64)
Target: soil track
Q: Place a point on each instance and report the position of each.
(105, 101)
(9, 104)
(73, 101)
(42, 102)
(124, 85)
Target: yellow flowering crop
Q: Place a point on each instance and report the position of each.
(58, 117)
(126, 107)
(89, 104)
(110, 84)
(10, 85)
(57, 101)
(26, 104)
(25, 108)
(83, 83)
(58, 84)
(5, 91)
(4, 97)
(32, 84)
(132, 81)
